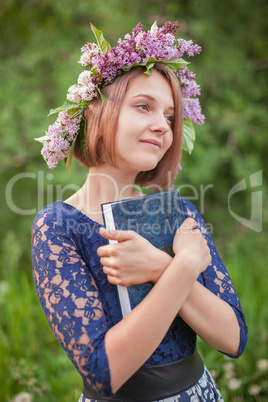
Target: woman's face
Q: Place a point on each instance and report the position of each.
(144, 131)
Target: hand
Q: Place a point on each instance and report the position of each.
(133, 260)
(190, 245)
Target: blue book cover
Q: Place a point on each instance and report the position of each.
(156, 217)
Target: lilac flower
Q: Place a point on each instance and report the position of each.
(192, 110)
(85, 78)
(189, 90)
(137, 29)
(74, 94)
(189, 87)
(169, 27)
(159, 47)
(85, 90)
(137, 47)
(56, 144)
(186, 46)
(89, 51)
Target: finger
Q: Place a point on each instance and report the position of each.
(105, 251)
(109, 271)
(119, 235)
(188, 225)
(113, 280)
(108, 262)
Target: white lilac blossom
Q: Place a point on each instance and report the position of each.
(105, 63)
(84, 90)
(74, 94)
(56, 144)
(89, 50)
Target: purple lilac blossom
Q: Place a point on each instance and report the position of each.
(186, 46)
(189, 90)
(159, 44)
(192, 110)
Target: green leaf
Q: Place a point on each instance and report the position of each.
(68, 160)
(152, 60)
(41, 139)
(102, 43)
(103, 97)
(68, 105)
(149, 67)
(128, 68)
(176, 64)
(188, 135)
(154, 27)
(94, 71)
(71, 112)
(82, 134)
(79, 109)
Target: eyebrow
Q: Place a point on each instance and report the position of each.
(149, 97)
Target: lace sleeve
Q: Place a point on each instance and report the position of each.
(216, 278)
(70, 299)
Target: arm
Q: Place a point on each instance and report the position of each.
(133, 260)
(73, 307)
(212, 308)
(212, 319)
(70, 298)
(134, 339)
(131, 342)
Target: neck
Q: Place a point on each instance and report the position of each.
(104, 184)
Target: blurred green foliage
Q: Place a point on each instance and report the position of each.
(40, 46)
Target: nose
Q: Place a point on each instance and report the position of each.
(159, 124)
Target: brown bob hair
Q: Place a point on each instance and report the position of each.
(102, 119)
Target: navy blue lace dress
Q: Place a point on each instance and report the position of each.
(81, 305)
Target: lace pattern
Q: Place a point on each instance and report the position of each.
(81, 305)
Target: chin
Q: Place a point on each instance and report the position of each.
(148, 162)
(146, 167)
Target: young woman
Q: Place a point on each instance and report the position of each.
(133, 137)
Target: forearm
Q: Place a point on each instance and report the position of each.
(212, 319)
(161, 262)
(132, 341)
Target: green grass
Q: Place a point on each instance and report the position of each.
(32, 361)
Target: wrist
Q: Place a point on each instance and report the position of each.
(162, 261)
(187, 265)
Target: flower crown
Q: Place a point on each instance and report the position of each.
(105, 63)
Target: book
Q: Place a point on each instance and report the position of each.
(156, 217)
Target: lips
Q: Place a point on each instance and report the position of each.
(152, 142)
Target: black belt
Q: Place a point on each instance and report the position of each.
(152, 383)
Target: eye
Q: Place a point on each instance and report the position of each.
(170, 119)
(143, 106)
